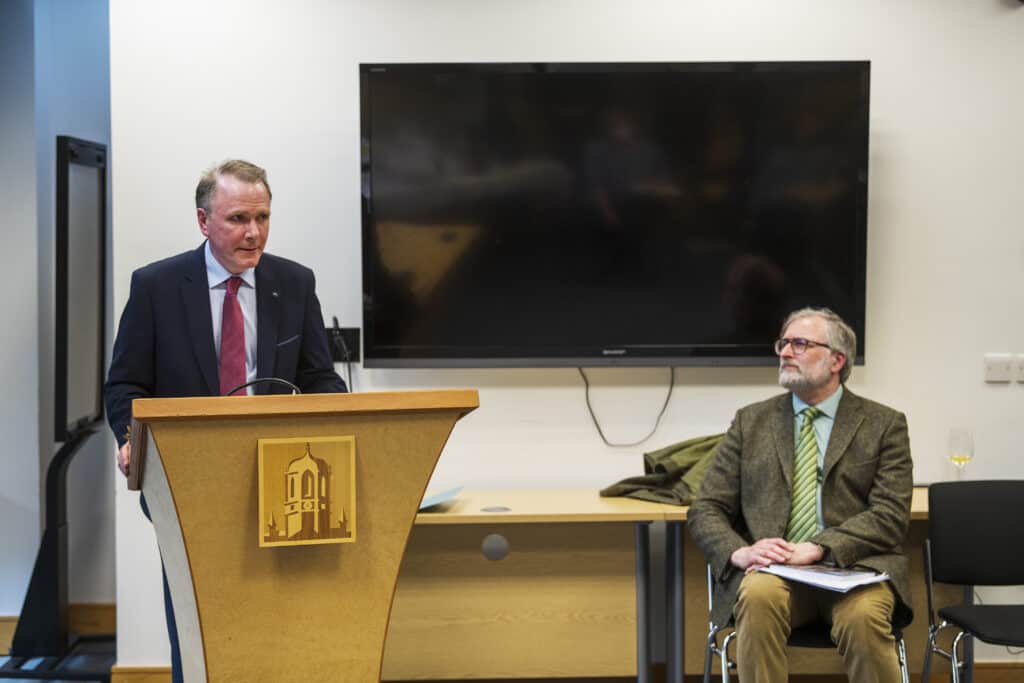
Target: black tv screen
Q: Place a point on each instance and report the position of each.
(601, 214)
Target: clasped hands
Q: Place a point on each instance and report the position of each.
(775, 551)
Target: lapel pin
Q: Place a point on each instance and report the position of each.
(273, 294)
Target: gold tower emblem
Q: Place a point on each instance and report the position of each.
(307, 491)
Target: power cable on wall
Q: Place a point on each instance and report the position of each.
(657, 421)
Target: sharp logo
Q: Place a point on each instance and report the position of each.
(613, 352)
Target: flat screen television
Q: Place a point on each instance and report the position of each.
(588, 214)
(80, 282)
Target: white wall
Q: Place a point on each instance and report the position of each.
(54, 79)
(72, 77)
(19, 483)
(196, 82)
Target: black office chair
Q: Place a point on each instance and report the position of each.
(975, 538)
(817, 634)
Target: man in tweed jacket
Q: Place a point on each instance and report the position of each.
(863, 491)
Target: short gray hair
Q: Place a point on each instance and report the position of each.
(243, 170)
(840, 336)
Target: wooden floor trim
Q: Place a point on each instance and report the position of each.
(984, 672)
(84, 619)
(998, 672)
(140, 674)
(88, 619)
(7, 626)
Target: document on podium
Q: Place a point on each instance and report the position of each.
(824, 576)
(432, 499)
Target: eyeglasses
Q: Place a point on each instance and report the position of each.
(799, 345)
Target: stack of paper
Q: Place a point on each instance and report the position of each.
(824, 576)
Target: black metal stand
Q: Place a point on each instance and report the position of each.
(41, 649)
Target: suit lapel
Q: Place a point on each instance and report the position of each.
(785, 443)
(267, 318)
(195, 297)
(848, 419)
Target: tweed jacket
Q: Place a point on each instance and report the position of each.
(867, 483)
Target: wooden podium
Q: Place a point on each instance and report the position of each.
(315, 612)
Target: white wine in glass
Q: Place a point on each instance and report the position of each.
(961, 449)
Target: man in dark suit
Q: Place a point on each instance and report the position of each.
(207, 321)
(815, 475)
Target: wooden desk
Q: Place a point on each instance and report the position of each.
(571, 599)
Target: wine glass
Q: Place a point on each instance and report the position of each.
(961, 449)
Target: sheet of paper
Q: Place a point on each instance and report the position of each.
(436, 498)
(824, 576)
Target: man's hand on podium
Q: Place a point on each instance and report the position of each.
(124, 457)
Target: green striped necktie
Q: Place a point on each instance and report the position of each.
(803, 517)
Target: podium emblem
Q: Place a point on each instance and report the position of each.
(307, 491)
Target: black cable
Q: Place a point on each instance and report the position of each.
(657, 421)
(350, 381)
(338, 341)
(258, 380)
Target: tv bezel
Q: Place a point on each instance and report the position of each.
(703, 355)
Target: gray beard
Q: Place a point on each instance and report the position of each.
(798, 382)
(792, 381)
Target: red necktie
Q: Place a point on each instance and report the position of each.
(232, 341)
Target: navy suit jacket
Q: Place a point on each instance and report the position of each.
(164, 345)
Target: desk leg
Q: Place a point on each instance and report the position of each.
(643, 602)
(674, 600)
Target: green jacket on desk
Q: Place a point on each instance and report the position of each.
(672, 474)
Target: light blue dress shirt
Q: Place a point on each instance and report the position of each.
(217, 277)
(822, 433)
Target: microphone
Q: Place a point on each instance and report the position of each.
(339, 341)
(260, 380)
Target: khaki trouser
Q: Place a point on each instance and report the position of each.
(768, 607)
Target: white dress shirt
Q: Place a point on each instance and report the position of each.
(217, 277)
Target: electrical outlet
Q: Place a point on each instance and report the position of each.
(344, 343)
(998, 367)
(1018, 367)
